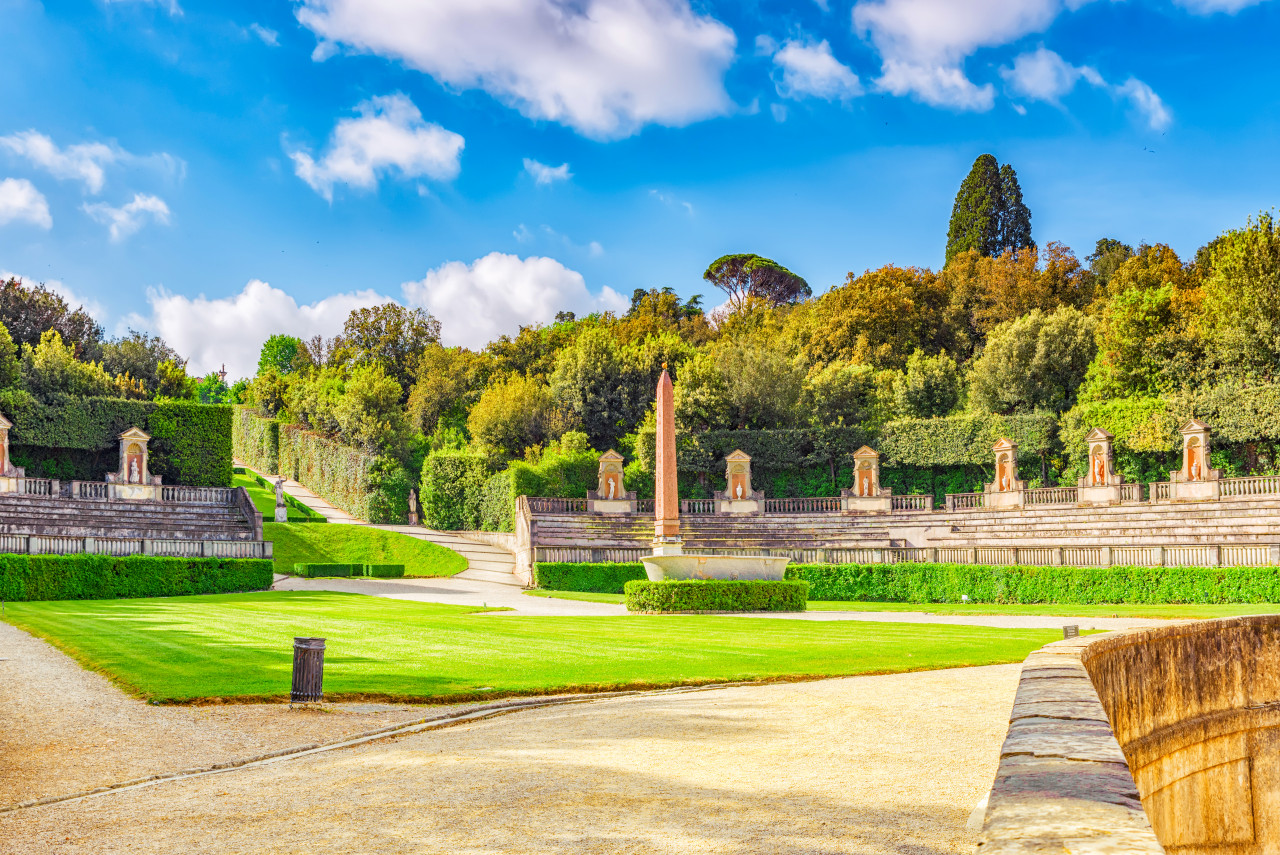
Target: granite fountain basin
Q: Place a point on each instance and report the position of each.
(740, 567)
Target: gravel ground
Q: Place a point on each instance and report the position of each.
(65, 730)
(866, 765)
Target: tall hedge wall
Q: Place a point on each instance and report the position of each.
(78, 438)
(107, 577)
(359, 483)
(256, 441)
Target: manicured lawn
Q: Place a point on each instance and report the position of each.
(240, 645)
(1131, 610)
(295, 543)
(264, 499)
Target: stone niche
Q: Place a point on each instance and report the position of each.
(1006, 490)
(133, 480)
(1101, 486)
(9, 474)
(1195, 480)
(737, 496)
(867, 494)
(609, 497)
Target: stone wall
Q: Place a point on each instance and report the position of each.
(1148, 741)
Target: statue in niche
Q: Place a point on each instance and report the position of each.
(134, 477)
(613, 488)
(1004, 482)
(1099, 471)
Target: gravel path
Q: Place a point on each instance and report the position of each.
(865, 765)
(65, 730)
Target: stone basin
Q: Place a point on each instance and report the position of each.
(743, 567)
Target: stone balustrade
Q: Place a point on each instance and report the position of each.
(46, 544)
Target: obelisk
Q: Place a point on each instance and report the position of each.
(666, 496)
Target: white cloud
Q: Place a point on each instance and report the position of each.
(20, 201)
(497, 294)
(1043, 75)
(84, 162)
(1146, 102)
(923, 43)
(603, 67)
(671, 201)
(128, 218)
(779, 112)
(543, 174)
(810, 69)
(388, 134)
(268, 36)
(232, 329)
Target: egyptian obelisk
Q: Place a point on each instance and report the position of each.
(666, 496)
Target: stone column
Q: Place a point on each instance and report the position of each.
(666, 496)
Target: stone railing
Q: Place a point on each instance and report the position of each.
(965, 501)
(197, 495)
(90, 490)
(42, 544)
(1050, 496)
(1254, 485)
(696, 507)
(39, 486)
(644, 506)
(1131, 492)
(911, 503)
(822, 505)
(1161, 491)
(548, 505)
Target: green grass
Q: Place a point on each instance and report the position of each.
(1173, 611)
(240, 646)
(264, 499)
(306, 543)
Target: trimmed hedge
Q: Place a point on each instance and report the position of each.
(315, 571)
(384, 571)
(452, 482)
(947, 583)
(108, 577)
(367, 487)
(716, 595)
(78, 438)
(600, 578)
(256, 440)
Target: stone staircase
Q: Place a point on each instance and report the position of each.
(106, 518)
(485, 563)
(706, 531)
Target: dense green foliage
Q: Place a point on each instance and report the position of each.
(364, 486)
(316, 571)
(384, 571)
(989, 215)
(304, 543)
(947, 583)
(715, 595)
(601, 577)
(256, 440)
(104, 577)
(177, 649)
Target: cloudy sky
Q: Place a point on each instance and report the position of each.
(219, 171)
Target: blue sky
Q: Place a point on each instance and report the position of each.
(216, 172)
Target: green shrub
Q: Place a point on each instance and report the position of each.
(948, 583)
(315, 571)
(384, 571)
(716, 595)
(107, 577)
(365, 486)
(497, 503)
(599, 578)
(190, 443)
(452, 485)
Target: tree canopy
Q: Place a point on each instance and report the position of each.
(746, 277)
(989, 215)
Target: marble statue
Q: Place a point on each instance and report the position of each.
(413, 507)
(739, 494)
(279, 492)
(613, 488)
(134, 477)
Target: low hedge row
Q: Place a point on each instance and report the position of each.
(602, 578)
(108, 577)
(376, 571)
(715, 596)
(947, 583)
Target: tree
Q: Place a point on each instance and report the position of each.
(449, 381)
(281, 352)
(139, 356)
(654, 312)
(369, 414)
(172, 382)
(1242, 301)
(930, 386)
(1108, 254)
(30, 311)
(838, 395)
(988, 215)
(512, 415)
(10, 367)
(746, 277)
(1034, 362)
(391, 336)
(51, 368)
(212, 389)
(762, 381)
(590, 380)
(702, 396)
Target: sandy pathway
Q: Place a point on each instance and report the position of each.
(887, 764)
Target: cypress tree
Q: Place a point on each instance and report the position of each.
(989, 214)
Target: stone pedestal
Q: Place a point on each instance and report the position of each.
(1006, 490)
(609, 497)
(668, 547)
(866, 494)
(737, 496)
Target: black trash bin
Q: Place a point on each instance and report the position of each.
(308, 670)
